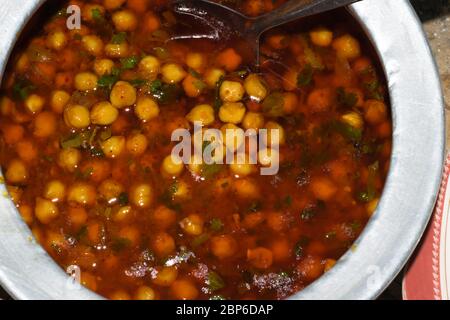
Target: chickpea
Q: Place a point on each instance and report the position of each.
(372, 206)
(281, 249)
(113, 4)
(145, 293)
(117, 50)
(146, 109)
(45, 211)
(321, 37)
(150, 67)
(165, 276)
(56, 40)
(173, 73)
(142, 195)
(110, 190)
(69, 158)
(89, 9)
(320, 99)
(223, 246)
(184, 290)
(23, 63)
(203, 113)
(120, 295)
(163, 244)
(113, 147)
(231, 91)
(163, 217)
(93, 45)
(27, 150)
(310, 268)
(233, 136)
(261, 258)
(124, 20)
(103, 113)
(103, 66)
(253, 120)
(213, 76)
(232, 112)
(347, 47)
(195, 61)
(137, 144)
(58, 100)
(192, 225)
(27, 214)
(124, 214)
(242, 169)
(182, 192)
(85, 81)
(255, 88)
(277, 137)
(15, 193)
(34, 103)
(17, 172)
(375, 111)
(45, 124)
(329, 264)
(6, 106)
(123, 95)
(192, 86)
(77, 117)
(353, 119)
(55, 191)
(77, 216)
(246, 189)
(268, 157)
(172, 166)
(323, 188)
(130, 233)
(82, 193)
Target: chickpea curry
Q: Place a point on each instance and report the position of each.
(86, 122)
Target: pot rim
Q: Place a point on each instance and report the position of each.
(378, 255)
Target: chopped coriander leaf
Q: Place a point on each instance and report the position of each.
(161, 53)
(308, 213)
(119, 244)
(119, 38)
(216, 225)
(22, 89)
(208, 171)
(255, 206)
(346, 99)
(97, 15)
(97, 152)
(273, 105)
(217, 99)
(194, 73)
(75, 141)
(107, 81)
(214, 281)
(305, 77)
(129, 63)
(199, 240)
(138, 82)
(123, 199)
(288, 200)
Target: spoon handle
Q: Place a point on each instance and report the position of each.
(293, 10)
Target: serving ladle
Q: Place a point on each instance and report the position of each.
(215, 21)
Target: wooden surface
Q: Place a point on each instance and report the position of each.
(435, 15)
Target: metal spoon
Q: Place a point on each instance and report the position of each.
(225, 23)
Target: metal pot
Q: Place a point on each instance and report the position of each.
(27, 272)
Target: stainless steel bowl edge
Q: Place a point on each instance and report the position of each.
(27, 272)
